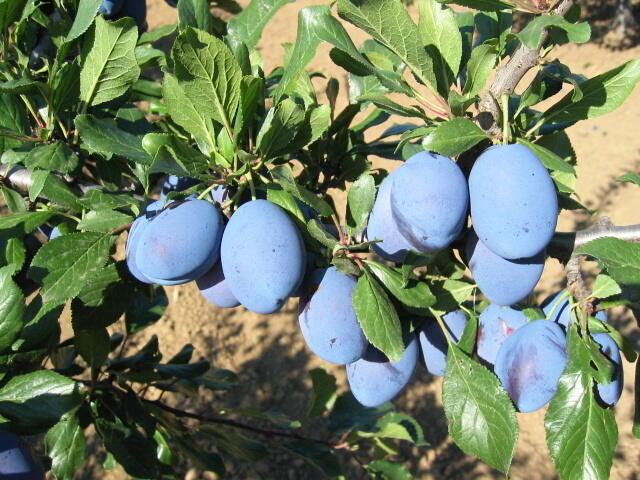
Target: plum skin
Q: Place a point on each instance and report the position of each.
(609, 394)
(514, 204)
(263, 256)
(214, 288)
(327, 319)
(495, 325)
(434, 344)
(181, 242)
(382, 226)
(429, 201)
(16, 459)
(530, 362)
(374, 380)
(504, 282)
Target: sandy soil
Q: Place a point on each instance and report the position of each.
(268, 351)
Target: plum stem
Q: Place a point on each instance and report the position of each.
(443, 327)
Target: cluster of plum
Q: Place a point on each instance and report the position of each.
(16, 459)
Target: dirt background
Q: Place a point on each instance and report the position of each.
(268, 351)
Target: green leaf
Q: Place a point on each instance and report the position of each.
(581, 435)
(237, 445)
(493, 26)
(65, 446)
(281, 125)
(10, 11)
(413, 293)
(385, 470)
(148, 305)
(57, 157)
(320, 456)
(276, 194)
(441, 37)
(92, 345)
(64, 265)
(548, 158)
(172, 155)
(398, 426)
(388, 22)
(196, 14)
(378, 317)
(620, 258)
(185, 113)
(605, 286)
(38, 399)
(38, 181)
(388, 105)
(324, 392)
(209, 74)
(28, 221)
(247, 26)
(531, 35)
(601, 95)
(87, 11)
(284, 176)
(11, 309)
(481, 416)
(629, 177)
(132, 450)
(483, 5)
(109, 65)
(483, 59)
(360, 200)
(318, 233)
(104, 221)
(13, 256)
(104, 137)
(454, 137)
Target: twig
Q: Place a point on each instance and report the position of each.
(509, 75)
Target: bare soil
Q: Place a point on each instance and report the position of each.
(270, 356)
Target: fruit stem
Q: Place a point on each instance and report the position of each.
(505, 119)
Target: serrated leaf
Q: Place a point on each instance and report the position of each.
(320, 456)
(480, 65)
(385, 470)
(247, 26)
(385, 103)
(398, 426)
(109, 66)
(196, 14)
(13, 256)
(531, 35)
(605, 286)
(581, 435)
(441, 37)
(284, 176)
(315, 229)
(620, 258)
(38, 181)
(281, 125)
(38, 399)
(276, 194)
(378, 317)
(360, 200)
(413, 293)
(454, 137)
(65, 446)
(231, 441)
(28, 221)
(92, 345)
(549, 159)
(11, 309)
(87, 10)
(388, 22)
(105, 137)
(483, 5)
(209, 74)
(64, 265)
(624, 344)
(103, 221)
(481, 415)
(601, 95)
(324, 392)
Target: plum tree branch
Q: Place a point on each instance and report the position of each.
(509, 75)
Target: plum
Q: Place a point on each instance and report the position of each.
(181, 243)
(16, 459)
(382, 226)
(610, 393)
(434, 344)
(530, 363)
(263, 256)
(514, 204)
(504, 282)
(327, 319)
(220, 194)
(429, 201)
(557, 309)
(215, 289)
(495, 324)
(375, 380)
(131, 247)
(110, 8)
